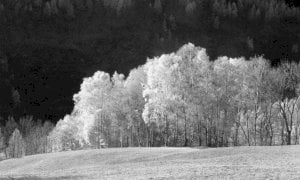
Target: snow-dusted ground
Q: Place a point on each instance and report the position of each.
(159, 163)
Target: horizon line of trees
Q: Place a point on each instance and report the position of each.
(183, 99)
(268, 10)
(178, 99)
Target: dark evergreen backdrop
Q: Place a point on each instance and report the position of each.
(47, 47)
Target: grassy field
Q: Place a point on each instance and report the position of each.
(159, 163)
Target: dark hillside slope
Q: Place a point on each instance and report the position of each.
(49, 46)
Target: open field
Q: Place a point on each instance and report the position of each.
(159, 163)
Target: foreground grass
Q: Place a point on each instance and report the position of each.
(159, 163)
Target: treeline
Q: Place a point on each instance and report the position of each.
(255, 9)
(268, 9)
(178, 99)
(24, 137)
(107, 112)
(183, 99)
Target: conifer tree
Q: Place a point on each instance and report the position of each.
(10, 126)
(2, 141)
(252, 13)
(190, 7)
(16, 145)
(79, 5)
(53, 7)
(38, 3)
(157, 6)
(47, 9)
(89, 4)
(216, 22)
(295, 48)
(234, 11)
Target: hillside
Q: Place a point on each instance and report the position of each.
(159, 163)
(47, 47)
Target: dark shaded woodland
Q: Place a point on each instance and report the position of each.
(47, 47)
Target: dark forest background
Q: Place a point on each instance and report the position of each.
(47, 47)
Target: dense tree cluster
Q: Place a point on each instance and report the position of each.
(24, 137)
(65, 8)
(256, 9)
(177, 99)
(107, 112)
(183, 99)
(192, 101)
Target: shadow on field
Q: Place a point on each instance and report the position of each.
(45, 178)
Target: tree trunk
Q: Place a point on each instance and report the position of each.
(271, 140)
(296, 136)
(248, 131)
(115, 143)
(131, 136)
(127, 139)
(166, 130)
(271, 131)
(255, 124)
(282, 136)
(289, 137)
(261, 134)
(236, 142)
(206, 136)
(99, 131)
(175, 134)
(148, 136)
(138, 136)
(121, 138)
(199, 134)
(185, 131)
(176, 138)
(5, 152)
